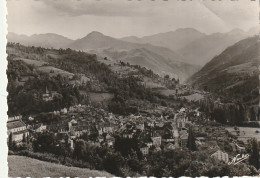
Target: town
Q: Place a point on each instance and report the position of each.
(153, 131)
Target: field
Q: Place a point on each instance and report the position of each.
(149, 83)
(55, 71)
(99, 97)
(31, 62)
(194, 97)
(24, 167)
(245, 133)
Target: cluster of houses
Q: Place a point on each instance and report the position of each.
(100, 128)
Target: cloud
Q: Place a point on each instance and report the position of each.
(118, 18)
(97, 8)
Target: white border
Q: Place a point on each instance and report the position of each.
(3, 92)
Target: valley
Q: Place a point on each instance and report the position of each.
(130, 108)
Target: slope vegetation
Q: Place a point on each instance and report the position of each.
(27, 167)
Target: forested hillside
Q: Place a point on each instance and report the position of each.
(33, 70)
(232, 78)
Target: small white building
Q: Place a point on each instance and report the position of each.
(18, 130)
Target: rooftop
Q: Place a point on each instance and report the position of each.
(15, 124)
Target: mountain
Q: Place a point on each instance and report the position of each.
(160, 59)
(204, 49)
(173, 40)
(234, 72)
(48, 40)
(253, 31)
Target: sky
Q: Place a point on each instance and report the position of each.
(119, 18)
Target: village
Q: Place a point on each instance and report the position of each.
(153, 132)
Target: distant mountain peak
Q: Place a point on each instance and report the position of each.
(187, 30)
(236, 31)
(95, 33)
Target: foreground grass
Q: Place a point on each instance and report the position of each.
(23, 167)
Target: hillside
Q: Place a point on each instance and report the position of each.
(173, 40)
(204, 49)
(233, 73)
(151, 60)
(76, 77)
(21, 166)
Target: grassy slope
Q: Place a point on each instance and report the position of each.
(24, 166)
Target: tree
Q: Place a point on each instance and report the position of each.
(80, 149)
(113, 162)
(10, 141)
(254, 157)
(191, 141)
(24, 138)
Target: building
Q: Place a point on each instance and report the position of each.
(40, 128)
(47, 95)
(167, 138)
(157, 141)
(64, 111)
(17, 128)
(144, 149)
(170, 146)
(183, 140)
(220, 155)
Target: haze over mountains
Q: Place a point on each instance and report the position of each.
(48, 40)
(195, 47)
(160, 59)
(178, 54)
(172, 40)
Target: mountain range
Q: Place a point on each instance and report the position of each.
(48, 40)
(195, 47)
(179, 54)
(172, 40)
(160, 59)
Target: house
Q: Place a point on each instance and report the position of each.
(14, 118)
(220, 155)
(100, 139)
(182, 109)
(140, 126)
(18, 130)
(64, 111)
(167, 138)
(107, 128)
(99, 129)
(170, 146)
(47, 95)
(183, 140)
(72, 123)
(144, 149)
(148, 142)
(128, 134)
(110, 140)
(157, 141)
(40, 128)
(56, 112)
